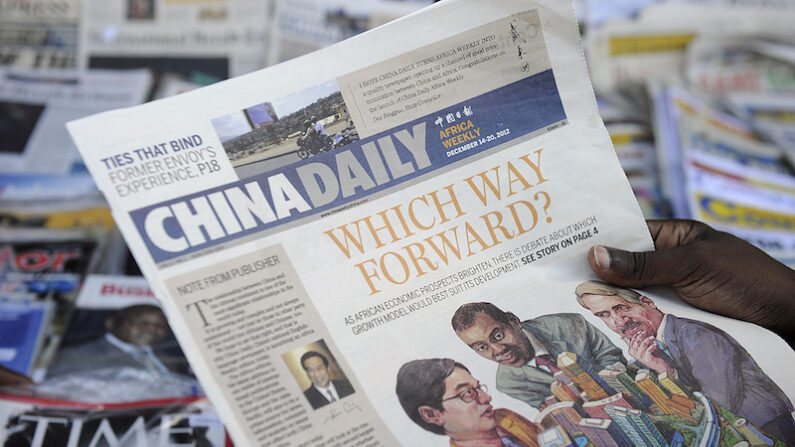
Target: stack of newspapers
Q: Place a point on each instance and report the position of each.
(714, 82)
(62, 60)
(366, 223)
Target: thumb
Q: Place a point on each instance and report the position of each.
(635, 269)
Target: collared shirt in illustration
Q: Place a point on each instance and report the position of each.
(660, 335)
(503, 439)
(539, 350)
(663, 347)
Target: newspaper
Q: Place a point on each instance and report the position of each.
(722, 65)
(771, 115)
(37, 103)
(598, 12)
(39, 33)
(754, 204)
(652, 46)
(634, 145)
(717, 171)
(684, 121)
(195, 40)
(305, 283)
(301, 27)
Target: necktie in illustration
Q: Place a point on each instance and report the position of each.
(546, 360)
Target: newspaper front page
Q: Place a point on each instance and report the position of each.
(195, 40)
(300, 27)
(313, 228)
(36, 104)
(39, 33)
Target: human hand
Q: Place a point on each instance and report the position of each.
(709, 269)
(643, 348)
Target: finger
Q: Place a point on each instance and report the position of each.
(635, 340)
(628, 341)
(650, 349)
(639, 342)
(672, 233)
(645, 343)
(638, 269)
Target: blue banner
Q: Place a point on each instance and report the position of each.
(331, 179)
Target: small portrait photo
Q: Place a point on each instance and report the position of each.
(318, 374)
(17, 125)
(141, 9)
(286, 130)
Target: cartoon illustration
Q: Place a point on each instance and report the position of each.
(441, 396)
(526, 350)
(697, 355)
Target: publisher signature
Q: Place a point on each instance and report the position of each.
(347, 407)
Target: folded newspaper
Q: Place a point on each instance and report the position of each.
(312, 228)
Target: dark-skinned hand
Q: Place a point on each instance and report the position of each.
(709, 269)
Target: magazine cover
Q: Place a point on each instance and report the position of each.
(22, 333)
(39, 422)
(118, 347)
(47, 266)
(425, 283)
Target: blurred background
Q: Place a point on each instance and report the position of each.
(698, 97)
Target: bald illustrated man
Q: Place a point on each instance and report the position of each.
(699, 355)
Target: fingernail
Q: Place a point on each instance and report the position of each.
(602, 257)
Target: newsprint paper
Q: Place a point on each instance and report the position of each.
(313, 228)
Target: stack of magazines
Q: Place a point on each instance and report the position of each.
(714, 82)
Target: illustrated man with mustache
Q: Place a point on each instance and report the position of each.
(441, 396)
(527, 350)
(695, 353)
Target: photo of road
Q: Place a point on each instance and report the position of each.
(276, 156)
(276, 133)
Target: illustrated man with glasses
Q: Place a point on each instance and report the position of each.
(441, 396)
(527, 350)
